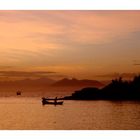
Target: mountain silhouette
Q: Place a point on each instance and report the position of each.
(41, 82)
(77, 83)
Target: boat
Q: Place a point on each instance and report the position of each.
(18, 93)
(55, 102)
(43, 98)
(52, 103)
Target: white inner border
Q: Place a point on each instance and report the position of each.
(70, 4)
(70, 135)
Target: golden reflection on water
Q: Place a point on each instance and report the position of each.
(29, 114)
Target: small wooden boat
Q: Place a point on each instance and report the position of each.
(43, 98)
(18, 93)
(55, 102)
(52, 103)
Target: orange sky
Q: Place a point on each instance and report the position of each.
(81, 44)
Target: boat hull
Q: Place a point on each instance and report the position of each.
(51, 103)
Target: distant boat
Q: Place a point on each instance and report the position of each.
(18, 93)
(43, 98)
(55, 102)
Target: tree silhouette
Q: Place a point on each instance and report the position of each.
(118, 89)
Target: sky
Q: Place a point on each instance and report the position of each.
(80, 44)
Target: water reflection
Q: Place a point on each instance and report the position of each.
(29, 114)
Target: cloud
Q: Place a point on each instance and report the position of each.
(98, 41)
(79, 23)
(18, 75)
(136, 64)
(117, 75)
(25, 74)
(6, 67)
(73, 28)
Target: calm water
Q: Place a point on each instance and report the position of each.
(28, 113)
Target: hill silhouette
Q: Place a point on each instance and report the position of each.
(77, 83)
(43, 82)
(44, 86)
(26, 83)
(116, 90)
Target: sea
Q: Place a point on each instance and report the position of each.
(28, 113)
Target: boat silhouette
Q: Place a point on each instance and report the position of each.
(18, 93)
(54, 102)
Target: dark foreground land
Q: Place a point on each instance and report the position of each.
(116, 90)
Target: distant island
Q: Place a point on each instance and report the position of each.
(45, 86)
(77, 83)
(42, 84)
(118, 89)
